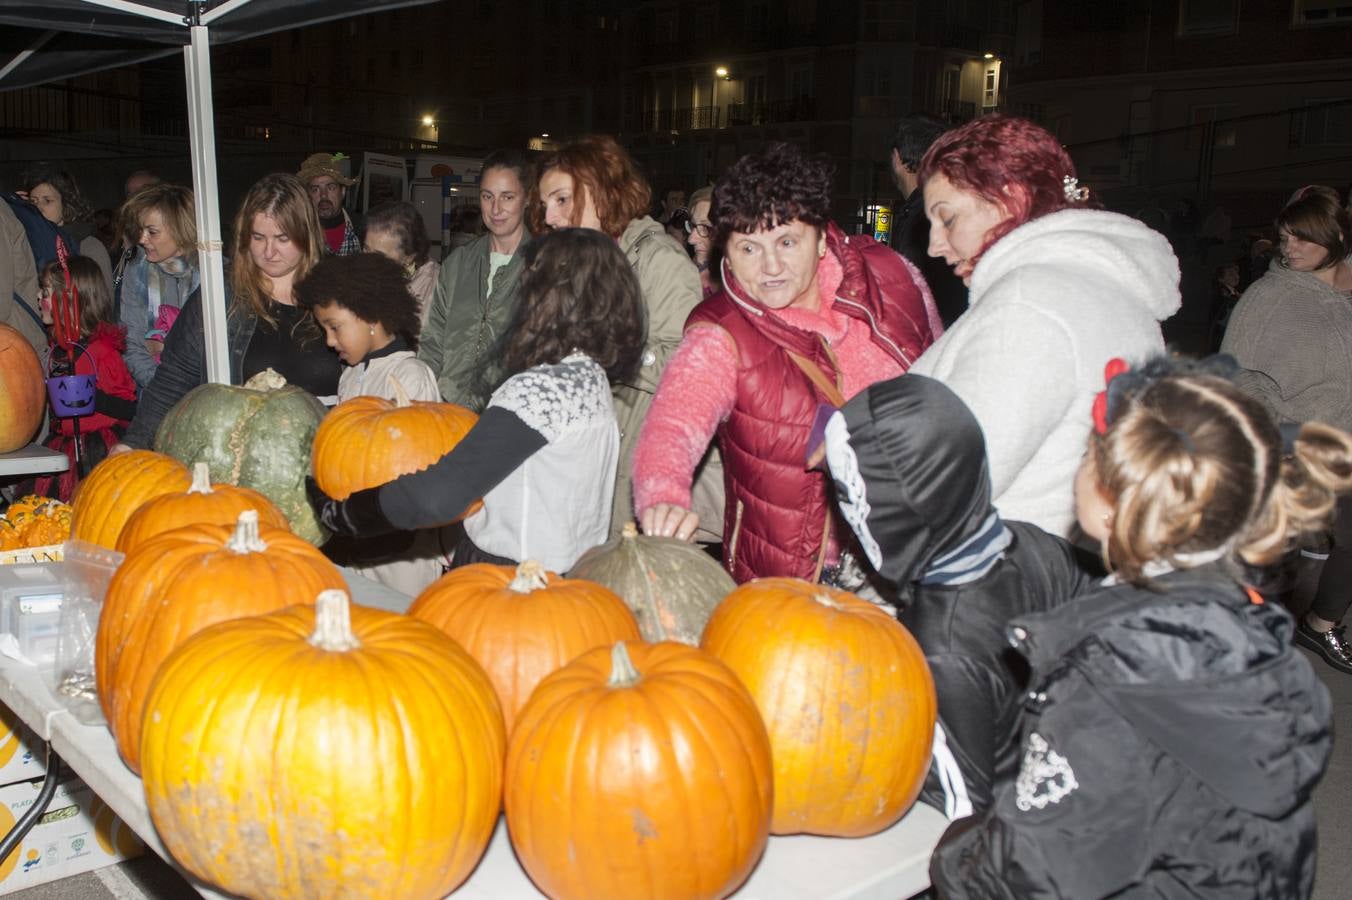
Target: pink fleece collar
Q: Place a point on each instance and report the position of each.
(826, 321)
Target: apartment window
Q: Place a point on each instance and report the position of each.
(1217, 116)
(800, 81)
(415, 61)
(1322, 12)
(990, 87)
(1325, 121)
(1202, 17)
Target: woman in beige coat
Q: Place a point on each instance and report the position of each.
(593, 183)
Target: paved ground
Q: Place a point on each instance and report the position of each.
(148, 877)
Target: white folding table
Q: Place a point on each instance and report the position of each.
(34, 459)
(885, 866)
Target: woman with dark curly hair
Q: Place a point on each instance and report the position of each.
(57, 196)
(543, 454)
(593, 183)
(808, 316)
(1056, 289)
(396, 230)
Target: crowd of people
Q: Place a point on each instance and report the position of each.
(946, 425)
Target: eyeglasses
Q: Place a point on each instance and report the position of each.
(704, 230)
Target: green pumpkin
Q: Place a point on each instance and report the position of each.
(672, 586)
(256, 436)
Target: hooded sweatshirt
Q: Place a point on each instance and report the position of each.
(1172, 738)
(1292, 333)
(1050, 304)
(910, 470)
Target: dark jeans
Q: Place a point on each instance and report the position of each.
(1334, 594)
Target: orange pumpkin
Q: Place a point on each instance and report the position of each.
(23, 394)
(117, 487)
(846, 695)
(178, 583)
(203, 503)
(367, 441)
(324, 751)
(641, 770)
(522, 623)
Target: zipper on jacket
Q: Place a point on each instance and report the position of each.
(873, 324)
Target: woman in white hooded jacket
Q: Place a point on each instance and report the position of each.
(1056, 290)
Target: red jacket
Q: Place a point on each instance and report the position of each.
(777, 519)
(102, 358)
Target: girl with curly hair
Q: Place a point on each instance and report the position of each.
(365, 308)
(807, 317)
(543, 454)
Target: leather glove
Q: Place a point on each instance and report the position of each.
(359, 515)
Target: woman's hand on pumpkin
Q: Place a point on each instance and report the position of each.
(118, 448)
(359, 515)
(669, 520)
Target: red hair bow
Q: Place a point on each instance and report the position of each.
(1116, 366)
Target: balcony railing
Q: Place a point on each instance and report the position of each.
(799, 109)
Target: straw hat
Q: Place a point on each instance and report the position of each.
(317, 164)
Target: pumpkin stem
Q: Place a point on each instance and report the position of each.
(400, 395)
(333, 623)
(629, 531)
(266, 380)
(530, 576)
(622, 671)
(201, 479)
(246, 538)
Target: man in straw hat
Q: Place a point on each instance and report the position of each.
(328, 187)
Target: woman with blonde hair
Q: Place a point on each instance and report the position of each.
(277, 241)
(157, 283)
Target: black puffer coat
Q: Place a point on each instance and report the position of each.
(1171, 741)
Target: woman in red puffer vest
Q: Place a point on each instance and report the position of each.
(808, 317)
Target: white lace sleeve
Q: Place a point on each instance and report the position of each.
(555, 399)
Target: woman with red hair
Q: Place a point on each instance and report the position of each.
(1056, 289)
(593, 183)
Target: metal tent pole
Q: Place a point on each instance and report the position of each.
(201, 137)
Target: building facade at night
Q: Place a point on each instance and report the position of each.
(1213, 100)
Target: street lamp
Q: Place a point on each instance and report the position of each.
(722, 72)
(429, 121)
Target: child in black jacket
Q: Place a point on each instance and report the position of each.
(1172, 736)
(909, 462)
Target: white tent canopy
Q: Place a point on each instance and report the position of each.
(46, 40)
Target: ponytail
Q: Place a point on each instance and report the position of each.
(1313, 474)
